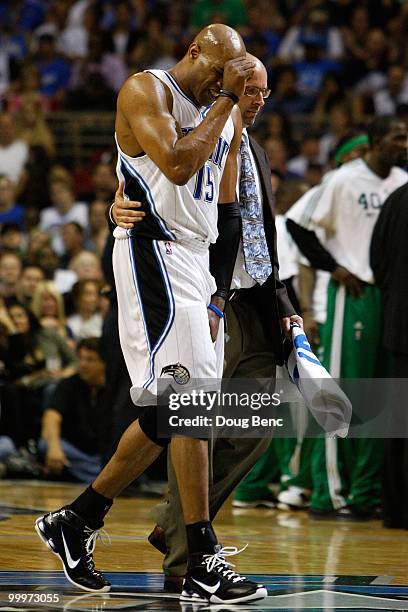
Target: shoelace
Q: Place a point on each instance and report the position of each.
(91, 536)
(218, 561)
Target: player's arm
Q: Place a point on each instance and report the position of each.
(223, 253)
(144, 107)
(321, 259)
(309, 244)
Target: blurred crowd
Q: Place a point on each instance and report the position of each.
(331, 65)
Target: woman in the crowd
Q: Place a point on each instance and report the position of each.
(35, 359)
(86, 321)
(48, 307)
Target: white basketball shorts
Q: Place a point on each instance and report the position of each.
(163, 291)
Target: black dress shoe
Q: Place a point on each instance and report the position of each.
(158, 539)
(173, 584)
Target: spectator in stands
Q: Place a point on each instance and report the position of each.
(387, 100)
(70, 425)
(231, 12)
(277, 125)
(315, 31)
(10, 211)
(152, 49)
(268, 23)
(98, 229)
(96, 78)
(64, 210)
(47, 259)
(355, 35)
(87, 266)
(26, 87)
(368, 75)
(48, 306)
(278, 157)
(86, 322)
(308, 154)
(121, 36)
(31, 276)
(54, 71)
(37, 239)
(54, 23)
(331, 93)
(11, 239)
(73, 41)
(31, 127)
(286, 97)
(104, 183)
(340, 123)
(13, 151)
(13, 49)
(35, 359)
(73, 237)
(39, 352)
(10, 273)
(312, 69)
(35, 192)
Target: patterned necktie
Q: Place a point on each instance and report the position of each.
(256, 254)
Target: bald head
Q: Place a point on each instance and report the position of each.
(218, 40)
(201, 70)
(250, 105)
(259, 66)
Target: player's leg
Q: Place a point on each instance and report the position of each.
(361, 348)
(329, 471)
(230, 460)
(72, 531)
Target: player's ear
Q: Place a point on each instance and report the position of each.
(194, 50)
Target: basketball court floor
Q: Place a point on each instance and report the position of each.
(305, 564)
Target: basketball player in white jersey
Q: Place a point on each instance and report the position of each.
(172, 156)
(346, 473)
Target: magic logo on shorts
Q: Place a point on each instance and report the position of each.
(179, 372)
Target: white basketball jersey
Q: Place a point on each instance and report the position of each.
(347, 209)
(188, 212)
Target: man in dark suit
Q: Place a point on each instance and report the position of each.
(258, 314)
(388, 259)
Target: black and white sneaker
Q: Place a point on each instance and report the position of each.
(68, 537)
(210, 579)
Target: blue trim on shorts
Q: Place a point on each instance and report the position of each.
(170, 301)
(172, 309)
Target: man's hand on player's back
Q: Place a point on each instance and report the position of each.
(125, 212)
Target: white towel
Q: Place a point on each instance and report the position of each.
(328, 404)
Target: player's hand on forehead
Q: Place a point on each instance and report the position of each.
(236, 72)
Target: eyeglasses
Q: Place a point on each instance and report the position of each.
(253, 91)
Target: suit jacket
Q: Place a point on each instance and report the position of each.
(271, 298)
(388, 259)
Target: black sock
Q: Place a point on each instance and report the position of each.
(92, 507)
(201, 538)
